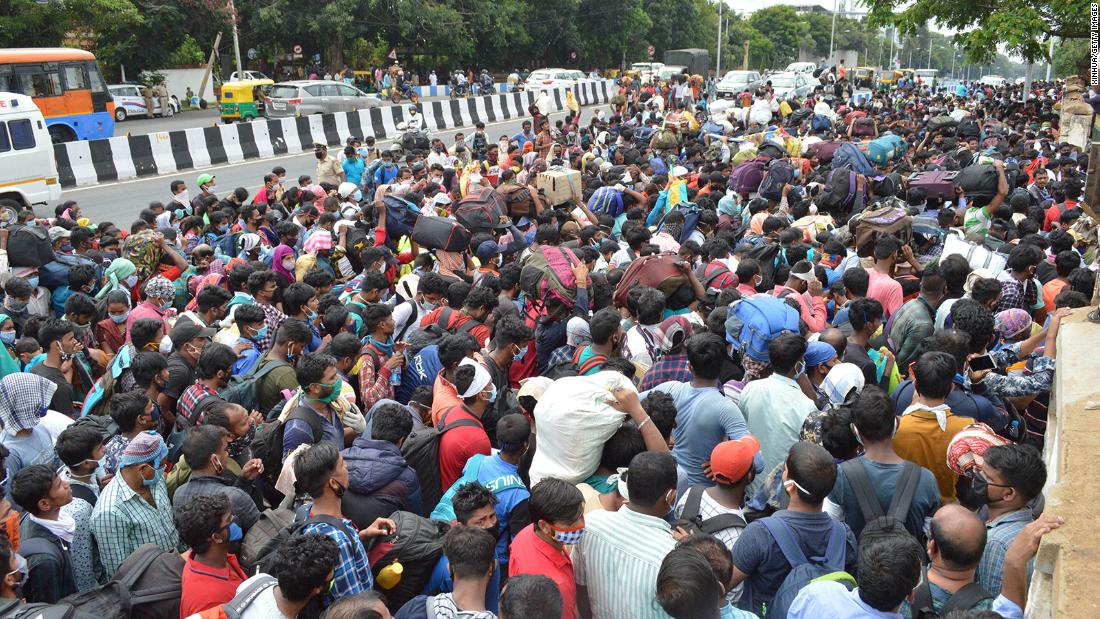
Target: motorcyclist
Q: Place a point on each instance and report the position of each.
(485, 81)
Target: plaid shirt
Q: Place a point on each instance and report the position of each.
(1036, 379)
(914, 321)
(190, 399)
(1000, 533)
(668, 369)
(374, 382)
(353, 573)
(561, 354)
(1015, 293)
(122, 520)
(272, 318)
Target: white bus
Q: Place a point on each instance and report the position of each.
(28, 172)
(927, 76)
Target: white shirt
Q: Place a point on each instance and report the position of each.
(401, 313)
(264, 606)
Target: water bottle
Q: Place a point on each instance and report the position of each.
(395, 377)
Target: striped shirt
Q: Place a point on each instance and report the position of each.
(122, 520)
(617, 560)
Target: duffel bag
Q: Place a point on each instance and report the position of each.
(440, 233)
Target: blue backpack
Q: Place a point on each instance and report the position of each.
(754, 322)
(849, 156)
(821, 122)
(780, 173)
(806, 570)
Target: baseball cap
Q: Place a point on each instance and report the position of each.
(188, 331)
(731, 460)
(203, 179)
(819, 353)
(487, 250)
(57, 232)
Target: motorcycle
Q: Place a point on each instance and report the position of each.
(459, 91)
(406, 91)
(413, 138)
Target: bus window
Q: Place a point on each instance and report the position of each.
(5, 145)
(40, 84)
(94, 77)
(22, 134)
(74, 77)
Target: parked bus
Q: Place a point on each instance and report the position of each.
(67, 87)
(28, 172)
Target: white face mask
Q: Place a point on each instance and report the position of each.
(131, 281)
(165, 346)
(183, 197)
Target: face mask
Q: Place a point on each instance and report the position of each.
(21, 569)
(131, 281)
(157, 475)
(184, 197)
(239, 445)
(167, 304)
(333, 394)
(493, 394)
(288, 265)
(223, 228)
(428, 306)
(120, 319)
(261, 335)
(568, 537)
(211, 188)
(801, 370)
(340, 490)
(520, 355)
(65, 356)
(8, 337)
(165, 346)
(311, 315)
(15, 305)
(235, 533)
(877, 332)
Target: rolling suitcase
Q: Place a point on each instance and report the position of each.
(940, 184)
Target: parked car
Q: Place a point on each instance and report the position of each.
(735, 82)
(303, 97)
(801, 67)
(793, 85)
(647, 70)
(129, 102)
(549, 79)
(247, 75)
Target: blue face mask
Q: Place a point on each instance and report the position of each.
(235, 532)
(120, 319)
(261, 334)
(493, 395)
(8, 337)
(33, 281)
(520, 355)
(158, 474)
(223, 228)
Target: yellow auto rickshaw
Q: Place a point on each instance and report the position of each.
(863, 77)
(244, 100)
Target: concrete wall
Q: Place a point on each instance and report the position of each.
(1063, 584)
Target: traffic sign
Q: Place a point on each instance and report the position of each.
(652, 51)
(297, 49)
(252, 53)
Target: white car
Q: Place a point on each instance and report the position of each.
(736, 82)
(248, 75)
(647, 70)
(129, 102)
(792, 85)
(801, 67)
(549, 79)
(996, 81)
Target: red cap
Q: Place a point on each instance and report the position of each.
(731, 460)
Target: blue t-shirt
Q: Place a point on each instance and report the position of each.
(420, 370)
(884, 479)
(704, 418)
(504, 481)
(353, 170)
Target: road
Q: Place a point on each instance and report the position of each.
(189, 119)
(121, 202)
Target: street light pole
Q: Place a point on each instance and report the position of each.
(832, 33)
(718, 62)
(236, 40)
(1050, 61)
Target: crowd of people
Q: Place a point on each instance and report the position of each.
(790, 359)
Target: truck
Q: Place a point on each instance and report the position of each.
(28, 172)
(697, 61)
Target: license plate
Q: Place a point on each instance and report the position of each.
(279, 105)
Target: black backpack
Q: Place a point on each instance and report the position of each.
(436, 331)
(244, 598)
(302, 517)
(418, 547)
(964, 599)
(767, 256)
(268, 444)
(146, 586)
(875, 521)
(690, 520)
(421, 452)
(29, 246)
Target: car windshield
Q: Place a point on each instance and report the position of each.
(284, 92)
(783, 81)
(540, 75)
(736, 77)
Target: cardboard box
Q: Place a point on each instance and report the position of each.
(560, 185)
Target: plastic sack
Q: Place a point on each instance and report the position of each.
(575, 418)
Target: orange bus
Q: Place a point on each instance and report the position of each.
(67, 87)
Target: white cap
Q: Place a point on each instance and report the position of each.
(679, 171)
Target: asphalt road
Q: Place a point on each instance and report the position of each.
(189, 119)
(121, 202)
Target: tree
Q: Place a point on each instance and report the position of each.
(601, 28)
(850, 33)
(739, 33)
(983, 26)
(785, 29)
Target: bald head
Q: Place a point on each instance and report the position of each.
(834, 337)
(959, 537)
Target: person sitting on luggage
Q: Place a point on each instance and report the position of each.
(211, 573)
(955, 544)
(474, 506)
(45, 535)
(470, 553)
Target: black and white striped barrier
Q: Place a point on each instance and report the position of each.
(90, 162)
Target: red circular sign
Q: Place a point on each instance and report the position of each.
(297, 49)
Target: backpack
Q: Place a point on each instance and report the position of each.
(434, 332)
(692, 522)
(242, 389)
(302, 517)
(124, 596)
(480, 211)
(780, 173)
(806, 570)
(665, 138)
(752, 323)
(746, 178)
(595, 361)
(963, 599)
(875, 521)
(943, 121)
(224, 244)
(244, 598)
(821, 122)
(141, 249)
(268, 444)
(710, 272)
(267, 527)
(863, 127)
(692, 212)
(767, 255)
(849, 156)
(421, 452)
(979, 182)
(29, 246)
(968, 128)
(53, 275)
(520, 200)
(547, 273)
(434, 232)
(659, 271)
(798, 116)
(886, 219)
(881, 151)
(418, 549)
(401, 216)
(839, 192)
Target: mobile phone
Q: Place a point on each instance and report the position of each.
(984, 362)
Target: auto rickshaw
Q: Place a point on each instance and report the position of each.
(863, 77)
(244, 100)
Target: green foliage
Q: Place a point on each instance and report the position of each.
(189, 53)
(1069, 56)
(786, 31)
